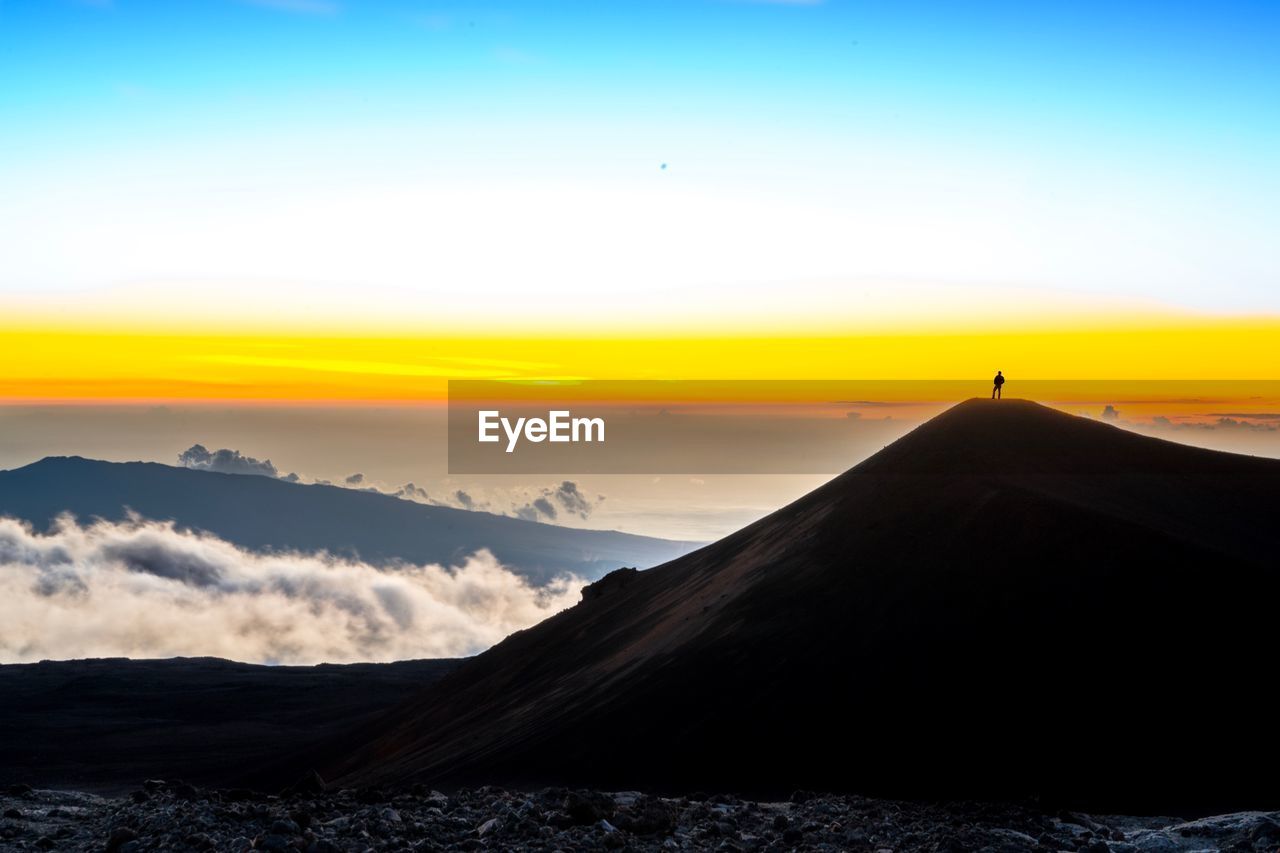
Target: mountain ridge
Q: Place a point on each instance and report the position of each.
(263, 513)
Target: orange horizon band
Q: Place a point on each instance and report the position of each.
(61, 365)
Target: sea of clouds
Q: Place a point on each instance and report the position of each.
(144, 589)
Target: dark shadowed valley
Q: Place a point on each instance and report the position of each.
(104, 725)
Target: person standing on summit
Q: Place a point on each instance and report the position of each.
(999, 380)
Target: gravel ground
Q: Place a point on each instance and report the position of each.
(176, 816)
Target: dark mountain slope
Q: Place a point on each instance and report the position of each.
(262, 513)
(1008, 601)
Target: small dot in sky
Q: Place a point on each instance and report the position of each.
(663, 167)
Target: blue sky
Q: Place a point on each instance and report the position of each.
(1125, 65)
(1104, 148)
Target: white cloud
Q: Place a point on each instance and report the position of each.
(548, 503)
(144, 589)
(227, 461)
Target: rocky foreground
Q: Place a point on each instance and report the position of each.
(176, 816)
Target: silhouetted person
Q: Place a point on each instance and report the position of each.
(995, 392)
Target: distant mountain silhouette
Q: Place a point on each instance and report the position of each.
(264, 513)
(1008, 601)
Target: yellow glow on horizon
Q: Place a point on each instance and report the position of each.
(74, 364)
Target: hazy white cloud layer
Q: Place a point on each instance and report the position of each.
(144, 589)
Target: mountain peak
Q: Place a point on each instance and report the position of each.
(979, 413)
(1014, 436)
(61, 460)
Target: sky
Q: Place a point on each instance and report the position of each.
(682, 167)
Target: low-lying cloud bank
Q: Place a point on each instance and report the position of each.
(144, 589)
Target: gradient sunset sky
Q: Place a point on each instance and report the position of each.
(305, 200)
